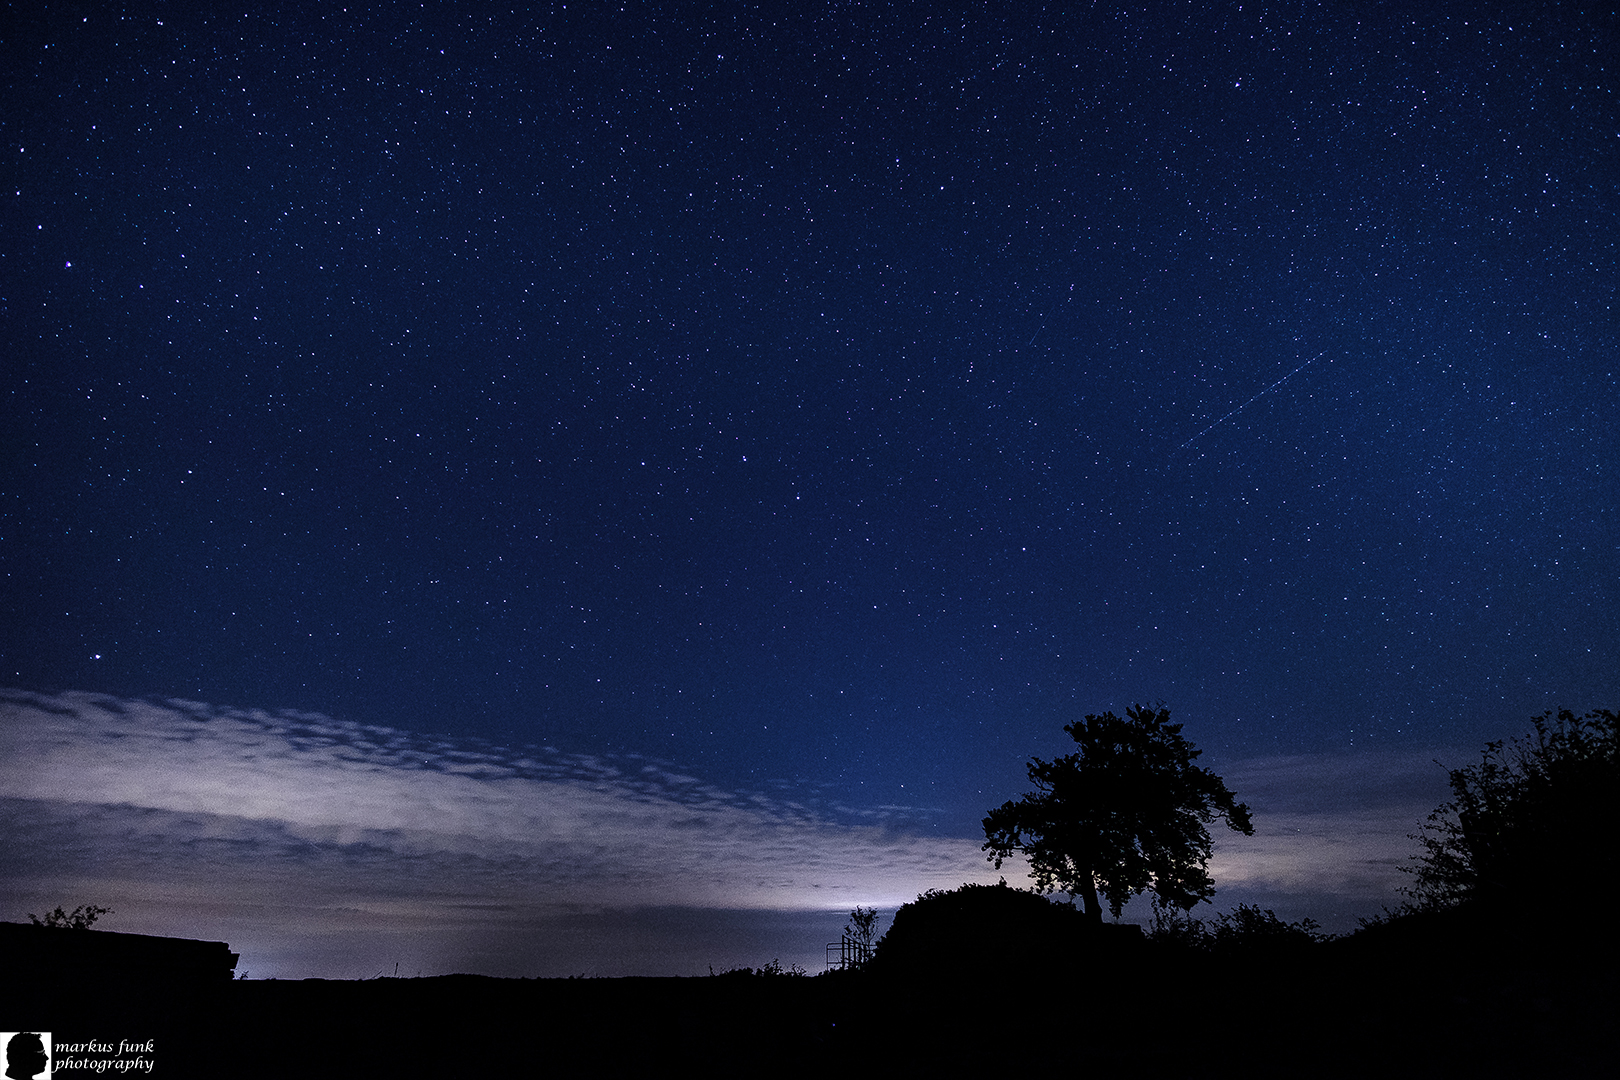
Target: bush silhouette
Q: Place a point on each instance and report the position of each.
(984, 930)
(772, 970)
(1533, 811)
(1246, 929)
(80, 918)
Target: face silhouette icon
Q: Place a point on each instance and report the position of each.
(25, 1056)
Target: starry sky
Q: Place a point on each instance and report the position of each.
(685, 459)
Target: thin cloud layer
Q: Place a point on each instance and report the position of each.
(276, 795)
(1331, 824)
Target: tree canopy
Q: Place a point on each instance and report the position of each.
(1124, 814)
(1534, 811)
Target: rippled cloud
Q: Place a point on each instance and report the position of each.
(582, 829)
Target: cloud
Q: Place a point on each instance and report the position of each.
(1334, 824)
(294, 800)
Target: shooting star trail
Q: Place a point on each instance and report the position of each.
(1048, 318)
(1252, 400)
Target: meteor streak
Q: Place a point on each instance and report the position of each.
(1252, 400)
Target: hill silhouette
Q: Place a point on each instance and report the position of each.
(1457, 992)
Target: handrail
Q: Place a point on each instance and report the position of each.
(851, 953)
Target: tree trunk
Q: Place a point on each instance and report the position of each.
(1088, 895)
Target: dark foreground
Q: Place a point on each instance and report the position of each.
(1406, 1004)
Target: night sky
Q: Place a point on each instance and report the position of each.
(629, 468)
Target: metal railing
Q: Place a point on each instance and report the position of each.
(851, 953)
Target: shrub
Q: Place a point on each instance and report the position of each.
(80, 918)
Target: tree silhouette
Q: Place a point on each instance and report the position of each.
(1124, 814)
(861, 932)
(1533, 811)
